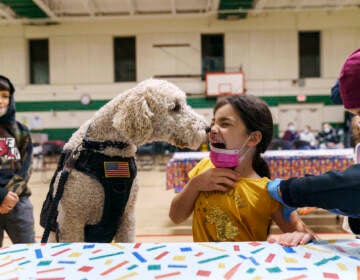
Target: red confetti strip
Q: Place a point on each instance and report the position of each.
(236, 248)
(204, 273)
(163, 254)
(232, 271)
(331, 275)
(12, 261)
(167, 275)
(307, 256)
(50, 270)
(114, 268)
(302, 276)
(340, 249)
(60, 252)
(137, 245)
(270, 258)
(85, 268)
(199, 254)
(96, 251)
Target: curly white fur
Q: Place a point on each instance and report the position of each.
(154, 110)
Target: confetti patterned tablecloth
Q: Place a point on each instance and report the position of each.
(282, 164)
(243, 260)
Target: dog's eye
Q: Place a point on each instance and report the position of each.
(176, 108)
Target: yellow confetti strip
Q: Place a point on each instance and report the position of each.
(117, 245)
(342, 266)
(290, 260)
(132, 274)
(179, 258)
(12, 270)
(257, 278)
(213, 247)
(75, 254)
(6, 258)
(221, 265)
(108, 262)
(316, 249)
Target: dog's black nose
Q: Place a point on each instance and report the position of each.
(207, 129)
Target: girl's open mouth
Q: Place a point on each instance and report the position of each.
(218, 145)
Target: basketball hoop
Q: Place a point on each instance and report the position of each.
(222, 84)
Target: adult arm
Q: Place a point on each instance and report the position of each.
(331, 190)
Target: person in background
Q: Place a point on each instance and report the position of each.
(290, 133)
(16, 210)
(328, 138)
(227, 191)
(307, 136)
(336, 191)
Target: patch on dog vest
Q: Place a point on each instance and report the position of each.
(116, 169)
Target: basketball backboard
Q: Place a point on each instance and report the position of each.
(220, 84)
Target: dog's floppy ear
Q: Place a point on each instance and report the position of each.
(133, 118)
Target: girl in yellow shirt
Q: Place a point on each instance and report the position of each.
(227, 192)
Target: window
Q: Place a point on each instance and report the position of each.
(309, 54)
(212, 53)
(125, 59)
(39, 61)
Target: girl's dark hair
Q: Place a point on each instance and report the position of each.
(256, 116)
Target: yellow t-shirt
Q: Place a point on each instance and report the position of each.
(241, 214)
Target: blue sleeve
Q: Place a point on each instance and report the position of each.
(335, 94)
(3, 193)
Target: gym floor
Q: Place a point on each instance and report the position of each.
(152, 221)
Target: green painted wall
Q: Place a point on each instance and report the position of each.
(195, 102)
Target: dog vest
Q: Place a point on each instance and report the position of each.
(116, 175)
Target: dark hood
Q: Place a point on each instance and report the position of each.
(9, 117)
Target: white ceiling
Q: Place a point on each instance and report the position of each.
(79, 10)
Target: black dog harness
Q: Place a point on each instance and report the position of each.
(115, 174)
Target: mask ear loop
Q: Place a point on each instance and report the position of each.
(241, 157)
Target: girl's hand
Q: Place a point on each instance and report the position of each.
(9, 202)
(291, 239)
(217, 179)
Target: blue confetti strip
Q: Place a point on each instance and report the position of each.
(105, 256)
(155, 248)
(38, 254)
(88, 246)
(296, 268)
(67, 262)
(139, 257)
(60, 245)
(252, 259)
(213, 259)
(13, 251)
(185, 249)
(257, 250)
(132, 267)
(177, 266)
(289, 250)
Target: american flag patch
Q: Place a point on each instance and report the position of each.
(116, 169)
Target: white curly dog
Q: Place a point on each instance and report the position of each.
(154, 110)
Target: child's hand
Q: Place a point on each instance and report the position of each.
(9, 202)
(217, 179)
(291, 239)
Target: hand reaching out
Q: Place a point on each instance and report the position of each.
(9, 202)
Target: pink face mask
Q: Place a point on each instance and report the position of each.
(223, 158)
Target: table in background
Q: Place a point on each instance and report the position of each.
(283, 164)
(242, 260)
